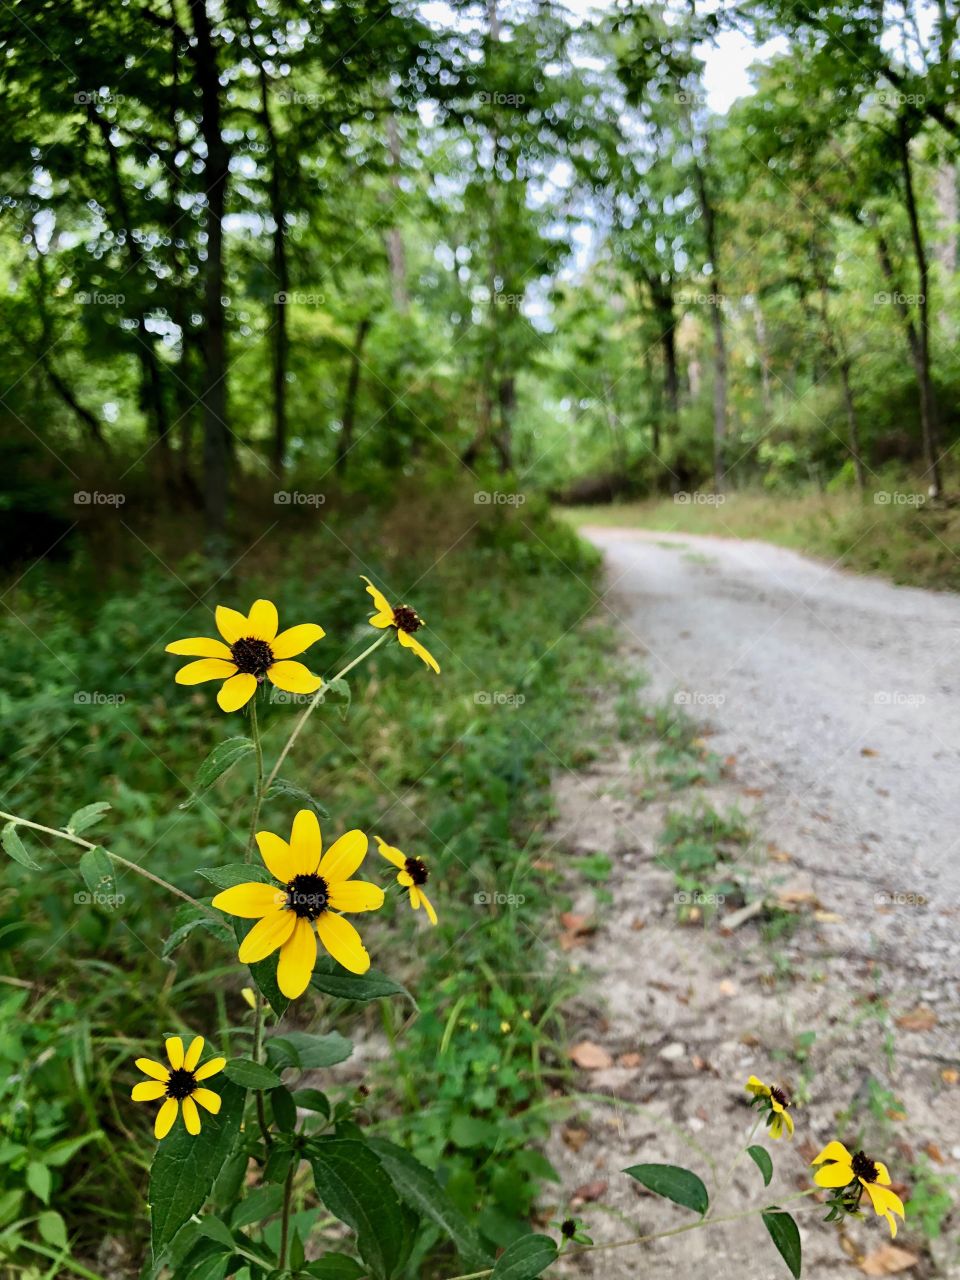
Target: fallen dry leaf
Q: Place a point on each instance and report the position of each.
(949, 1076)
(630, 1060)
(637, 924)
(755, 792)
(543, 864)
(934, 1152)
(827, 917)
(920, 1019)
(590, 1056)
(727, 988)
(869, 751)
(589, 1191)
(888, 1260)
(574, 1137)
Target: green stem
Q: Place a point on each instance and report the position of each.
(257, 1050)
(736, 1160)
(121, 862)
(317, 698)
(258, 799)
(285, 1220)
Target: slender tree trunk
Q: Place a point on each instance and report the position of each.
(853, 426)
(719, 341)
(348, 416)
(216, 450)
(396, 253)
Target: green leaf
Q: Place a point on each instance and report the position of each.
(472, 1131)
(52, 1229)
(525, 1258)
(761, 1158)
(39, 1180)
(96, 868)
(334, 1266)
(222, 758)
(786, 1236)
(250, 1075)
(419, 1188)
(300, 1049)
(312, 1100)
(237, 873)
(186, 919)
(290, 790)
(333, 980)
(13, 845)
(87, 817)
(356, 1189)
(284, 1110)
(257, 1206)
(184, 1167)
(341, 689)
(673, 1183)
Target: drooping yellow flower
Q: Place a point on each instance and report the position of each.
(252, 652)
(404, 619)
(179, 1085)
(314, 889)
(775, 1101)
(841, 1169)
(412, 874)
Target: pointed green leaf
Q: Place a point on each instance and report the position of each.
(761, 1158)
(786, 1236)
(673, 1183)
(356, 1189)
(283, 787)
(525, 1258)
(220, 760)
(14, 846)
(87, 817)
(96, 868)
(333, 980)
(250, 1075)
(301, 1049)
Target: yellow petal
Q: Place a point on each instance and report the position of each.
(200, 647)
(833, 1151)
(788, 1121)
(250, 901)
(343, 857)
(883, 1199)
(834, 1175)
(298, 955)
(165, 1118)
(883, 1173)
(148, 1091)
(205, 669)
(174, 1048)
(207, 1098)
(414, 896)
(893, 1225)
(343, 942)
(296, 640)
(293, 677)
(265, 936)
(262, 620)
(428, 907)
(192, 1056)
(384, 609)
(757, 1088)
(355, 895)
(209, 1069)
(191, 1116)
(237, 691)
(151, 1068)
(390, 853)
(277, 856)
(306, 844)
(411, 642)
(406, 879)
(230, 624)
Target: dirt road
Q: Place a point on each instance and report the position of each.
(835, 702)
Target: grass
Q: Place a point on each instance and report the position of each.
(898, 538)
(443, 767)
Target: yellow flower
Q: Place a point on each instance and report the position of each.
(406, 621)
(504, 1027)
(314, 890)
(252, 653)
(179, 1085)
(413, 875)
(841, 1169)
(775, 1101)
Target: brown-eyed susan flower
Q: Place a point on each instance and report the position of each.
(313, 890)
(856, 1174)
(250, 652)
(404, 619)
(179, 1085)
(772, 1099)
(412, 875)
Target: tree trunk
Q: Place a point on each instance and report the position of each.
(216, 452)
(719, 342)
(396, 253)
(348, 417)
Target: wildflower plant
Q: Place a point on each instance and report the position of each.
(248, 1147)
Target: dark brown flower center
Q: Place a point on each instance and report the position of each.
(778, 1095)
(307, 896)
(406, 619)
(416, 869)
(864, 1168)
(181, 1084)
(568, 1228)
(252, 657)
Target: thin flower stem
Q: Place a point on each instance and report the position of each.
(120, 861)
(736, 1160)
(656, 1235)
(258, 798)
(285, 1220)
(257, 1049)
(313, 702)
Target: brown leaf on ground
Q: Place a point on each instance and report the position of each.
(755, 792)
(637, 924)
(590, 1056)
(949, 1076)
(727, 988)
(920, 1019)
(630, 1060)
(869, 751)
(574, 1137)
(934, 1152)
(588, 1192)
(576, 930)
(543, 864)
(888, 1260)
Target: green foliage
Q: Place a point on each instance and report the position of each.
(673, 1183)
